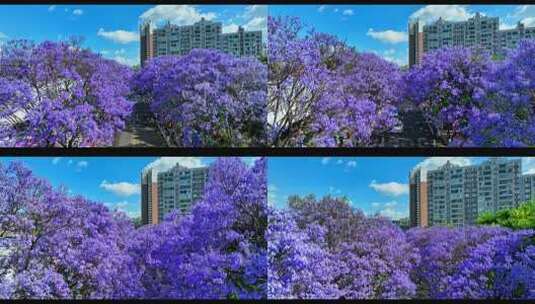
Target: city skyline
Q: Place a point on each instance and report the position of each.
(372, 184)
(113, 30)
(365, 27)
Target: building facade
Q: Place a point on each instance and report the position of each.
(416, 43)
(457, 195)
(418, 204)
(528, 187)
(478, 31)
(179, 188)
(204, 34)
(149, 197)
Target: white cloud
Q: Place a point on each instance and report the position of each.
(254, 18)
(351, 164)
(325, 160)
(529, 21)
(165, 163)
(390, 189)
(78, 12)
(388, 36)
(118, 36)
(432, 163)
(176, 14)
(334, 191)
(56, 160)
(348, 12)
(51, 8)
(126, 60)
(431, 13)
(121, 188)
(256, 24)
(389, 52)
(392, 210)
(528, 165)
(322, 8)
(122, 206)
(523, 11)
(230, 28)
(392, 213)
(256, 10)
(81, 164)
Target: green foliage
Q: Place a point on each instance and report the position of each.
(522, 217)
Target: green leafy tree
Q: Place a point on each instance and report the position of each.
(521, 217)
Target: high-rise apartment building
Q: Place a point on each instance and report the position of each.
(418, 213)
(478, 31)
(145, 40)
(205, 34)
(528, 187)
(179, 188)
(457, 195)
(149, 197)
(416, 43)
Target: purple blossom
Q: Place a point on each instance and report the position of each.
(57, 94)
(207, 98)
(324, 93)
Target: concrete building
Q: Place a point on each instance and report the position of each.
(528, 187)
(205, 34)
(457, 195)
(508, 39)
(149, 198)
(479, 31)
(179, 188)
(145, 40)
(416, 43)
(418, 204)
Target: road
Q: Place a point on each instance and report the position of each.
(139, 132)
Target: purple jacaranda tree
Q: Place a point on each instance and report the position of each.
(57, 246)
(448, 86)
(322, 92)
(207, 98)
(58, 94)
(300, 264)
(501, 268)
(219, 249)
(326, 249)
(441, 250)
(372, 256)
(508, 117)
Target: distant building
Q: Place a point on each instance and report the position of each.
(457, 195)
(176, 188)
(403, 223)
(146, 46)
(179, 188)
(479, 31)
(528, 187)
(149, 197)
(416, 43)
(180, 40)
(418, 204)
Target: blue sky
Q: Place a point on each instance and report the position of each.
(113, 181)
(382, 29)
(113, 29)
(373, 184)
